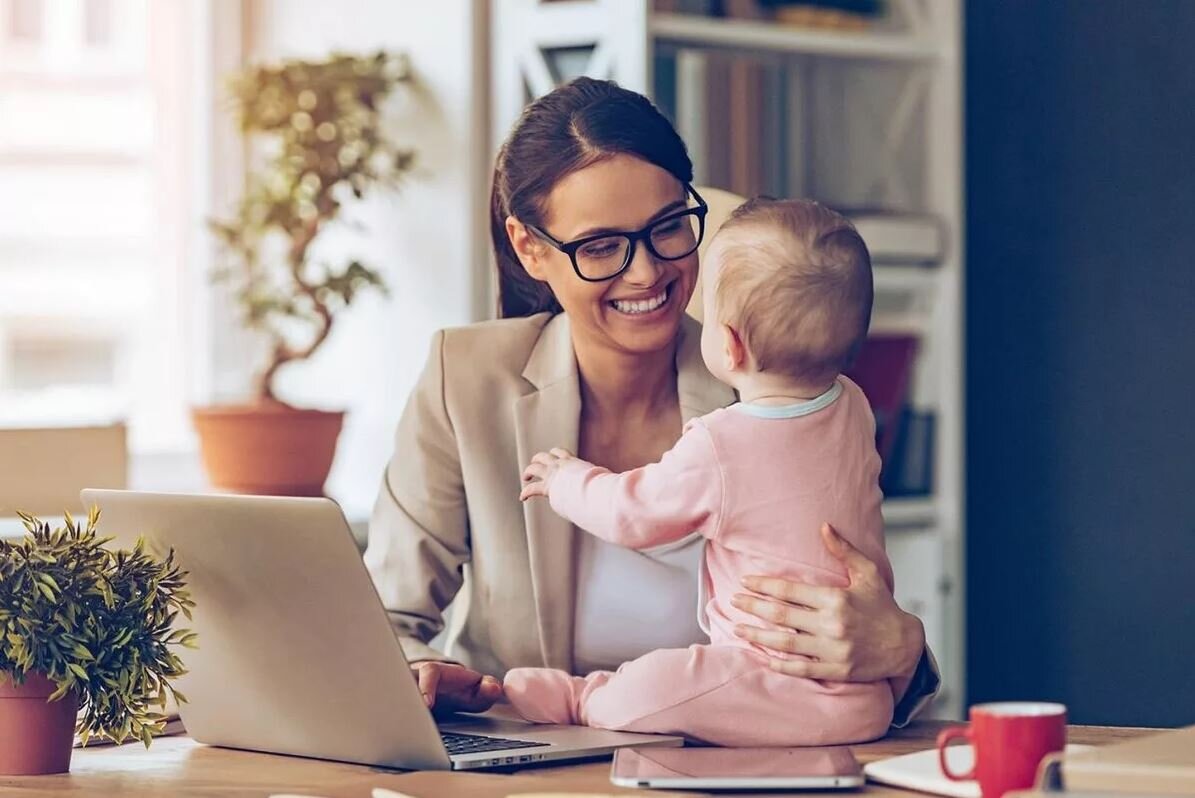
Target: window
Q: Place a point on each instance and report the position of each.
(97, 22)
(25, 20)
(98, 215)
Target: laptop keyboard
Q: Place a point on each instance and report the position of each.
(476, 744)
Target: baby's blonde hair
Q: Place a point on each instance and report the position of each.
(796, 285)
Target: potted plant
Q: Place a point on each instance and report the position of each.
(86, 633)
(322, 125)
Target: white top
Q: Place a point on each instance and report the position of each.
(630, 603)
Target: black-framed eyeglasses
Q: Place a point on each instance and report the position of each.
(606, 255)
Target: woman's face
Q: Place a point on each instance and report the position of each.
(640, 310)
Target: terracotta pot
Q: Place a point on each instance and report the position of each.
(269, 449)
(36, 736)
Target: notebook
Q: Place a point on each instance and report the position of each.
(920, 771)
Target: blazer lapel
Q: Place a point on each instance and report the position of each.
(548, 418)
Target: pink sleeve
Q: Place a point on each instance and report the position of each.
(649, 506)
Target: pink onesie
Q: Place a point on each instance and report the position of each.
(757, 482)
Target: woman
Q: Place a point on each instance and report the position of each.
(594, 354)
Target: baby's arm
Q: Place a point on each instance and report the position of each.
(648, 506)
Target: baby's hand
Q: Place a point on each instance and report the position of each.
(537, 477)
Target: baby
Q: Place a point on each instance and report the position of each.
(787, 301)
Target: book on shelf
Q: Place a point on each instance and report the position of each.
(843, 16)
(689, 90)
(745, 9)
(909, 470)
(883, 369)
(717, 124)
(696, 7)
(729, 109)
(822, 14)
(746, 127)
(900, 238)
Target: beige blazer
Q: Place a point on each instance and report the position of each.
(448, 515)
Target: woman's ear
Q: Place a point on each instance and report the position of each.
(734, 352)
(527, 247)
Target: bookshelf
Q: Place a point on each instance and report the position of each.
(865, 118)
(697, 31)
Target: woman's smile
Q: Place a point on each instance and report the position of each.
(646, 305)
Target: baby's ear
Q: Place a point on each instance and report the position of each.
(734, 352)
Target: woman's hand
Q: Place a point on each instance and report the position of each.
(448, 687)
(537, 477)
(851, 634)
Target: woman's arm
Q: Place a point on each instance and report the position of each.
(851, 634)
(419, 531)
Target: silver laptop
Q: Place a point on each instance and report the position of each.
(296, 655)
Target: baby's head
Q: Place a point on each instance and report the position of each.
(787, 295)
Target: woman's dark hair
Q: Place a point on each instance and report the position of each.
(578, 124)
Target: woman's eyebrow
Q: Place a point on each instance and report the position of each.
(675, 205)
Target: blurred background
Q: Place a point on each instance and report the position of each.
(1023, 172)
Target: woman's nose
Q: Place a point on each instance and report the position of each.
(643, 271)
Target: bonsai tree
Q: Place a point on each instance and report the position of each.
(96, 623)
(322, 123)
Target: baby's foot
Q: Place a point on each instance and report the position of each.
(542, 695)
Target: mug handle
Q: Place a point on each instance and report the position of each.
(944, 738)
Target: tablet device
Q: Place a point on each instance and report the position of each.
(737, 768)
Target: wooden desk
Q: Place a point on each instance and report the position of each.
(180, 767)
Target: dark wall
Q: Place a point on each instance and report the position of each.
(1080, 126)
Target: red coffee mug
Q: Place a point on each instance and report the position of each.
(1010, 740)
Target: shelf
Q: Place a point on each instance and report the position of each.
(910, 512)
(904, 278)
(698, 31)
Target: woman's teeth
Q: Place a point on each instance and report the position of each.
(641, 305)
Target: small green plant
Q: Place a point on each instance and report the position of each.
(321, 125)
(95, 622)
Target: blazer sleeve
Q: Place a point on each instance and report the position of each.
(927, 681)
(419, 530)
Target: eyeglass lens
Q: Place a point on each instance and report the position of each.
(670, 239)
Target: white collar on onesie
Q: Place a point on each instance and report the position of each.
(794, 410)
